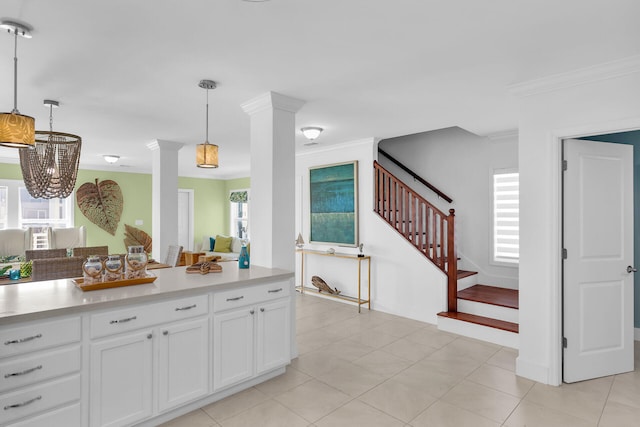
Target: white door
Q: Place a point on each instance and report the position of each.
(233, 347)
(185, 219)
(598, 239)
(273, 336)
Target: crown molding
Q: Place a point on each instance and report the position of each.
(578, 77)
(272, 100)
(505, 134)
(164, 145)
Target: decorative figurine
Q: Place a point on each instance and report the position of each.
(300, 241)
(360, 255)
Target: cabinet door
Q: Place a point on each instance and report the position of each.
(232, 346)
(273, 335)
(183, 362)
(121, 379)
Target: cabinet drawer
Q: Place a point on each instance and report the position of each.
(250, 295)
(38, 398)
(69, 416)
(142, 316)
(41, 366)
(38, 336)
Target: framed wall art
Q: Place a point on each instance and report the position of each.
(333, 192)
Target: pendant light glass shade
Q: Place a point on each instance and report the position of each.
(207, 155)
(16, 130)
(50, 167)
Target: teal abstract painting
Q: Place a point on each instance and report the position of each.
(333, 190)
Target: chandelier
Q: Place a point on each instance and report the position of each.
(50, 167)
(207, 154)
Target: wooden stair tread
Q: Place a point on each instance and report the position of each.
(479, 320)
(461, 274)
(490, 295)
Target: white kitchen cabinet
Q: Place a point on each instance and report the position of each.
(273, 336)
(233, 347)
(183, 364)
(121, 382)
(252, 339)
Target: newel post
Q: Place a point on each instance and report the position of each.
(452, 264)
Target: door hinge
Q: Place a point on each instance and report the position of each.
(564, 253)
(564, 342)
(564, 165)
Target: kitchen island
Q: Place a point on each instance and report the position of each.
(143, 354)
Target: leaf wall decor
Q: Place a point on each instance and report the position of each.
(135, 237)
(101, 203)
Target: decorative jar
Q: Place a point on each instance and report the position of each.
(243, 259)
(112, 268)
(136, 263)
(92, 270)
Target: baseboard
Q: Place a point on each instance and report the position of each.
(532, 371)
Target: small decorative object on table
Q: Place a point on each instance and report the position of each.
(360, 248)
(331, 251)
(204, 268)
(136, 263)
(322, 286)
(92, 270)
(112, 268)
(300, 241)
(243, 259)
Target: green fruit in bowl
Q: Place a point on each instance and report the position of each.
(25, 269)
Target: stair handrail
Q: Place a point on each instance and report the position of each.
(416, 176)
(389, 207)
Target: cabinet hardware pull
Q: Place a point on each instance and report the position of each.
(165, 333)
(252, 312)
(21, 340)
(25, 403)
(236, 298)
(262, 309)
(26, 371)
(189, 307)
(125, 320)
(149, 336)
(273, 291)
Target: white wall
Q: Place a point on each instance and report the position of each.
(403, 282)
(595, 101)
(461, 165)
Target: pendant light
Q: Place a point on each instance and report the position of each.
(207, 154)
(16, 130)
(50, 167)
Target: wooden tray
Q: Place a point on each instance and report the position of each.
(79, 282)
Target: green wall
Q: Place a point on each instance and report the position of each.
(211, 203)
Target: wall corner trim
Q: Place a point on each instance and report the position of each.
(577, 77)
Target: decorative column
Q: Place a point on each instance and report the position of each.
(164, 195)
(272, 205)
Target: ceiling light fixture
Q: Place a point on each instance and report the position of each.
(50, 166)
(311, 133)
(207, 154)
(111, 158)
(16, 130)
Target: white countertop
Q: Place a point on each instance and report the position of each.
(36, 300)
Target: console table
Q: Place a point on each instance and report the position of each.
(358, 300)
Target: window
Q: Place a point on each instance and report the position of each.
(19, 210)
(506, 217)
(239, 200)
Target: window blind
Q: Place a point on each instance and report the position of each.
(506, 217)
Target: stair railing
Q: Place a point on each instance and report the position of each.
(426, 227)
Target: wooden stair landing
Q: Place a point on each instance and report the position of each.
(490, 295)
(479, 320)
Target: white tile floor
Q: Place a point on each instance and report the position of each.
(375, 369)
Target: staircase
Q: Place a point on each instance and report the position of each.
(478, 311)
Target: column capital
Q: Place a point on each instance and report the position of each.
(273, 101)
(164, 145)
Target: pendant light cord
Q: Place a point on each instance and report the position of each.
(51, 118)
(15, 75)
(206, 141)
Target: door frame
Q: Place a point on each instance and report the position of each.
(191, 194)
(555, 257)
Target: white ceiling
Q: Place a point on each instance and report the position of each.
(126, 72)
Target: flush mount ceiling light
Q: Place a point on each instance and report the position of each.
(207, 154)
(311, 133)
(16, 130)
(50, 166)
(110, 158)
